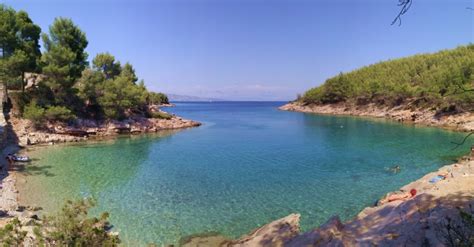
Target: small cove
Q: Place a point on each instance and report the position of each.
(247, 165)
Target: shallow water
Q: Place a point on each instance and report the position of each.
(247, 165)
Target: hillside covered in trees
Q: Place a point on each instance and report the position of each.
(440, 81)
(65, 85)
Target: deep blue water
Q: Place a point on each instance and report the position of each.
(248, 164)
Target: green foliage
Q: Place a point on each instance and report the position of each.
(114, 95)
(437, 80)
(11, 234)
(58, 113)
(38, 114)
(68, 87)
(65, 34)
(120, 95)
(157, 98)
(28, 36)
(57, 67)
(73, 226)
(8, 31)
(34, 113)
(65, 59)
(129, 72)
(19, 45)
(19, 101)
(89, 85)
(160, 115)
(336, 89)
(16, 64)
(106, 63)
(18, 32)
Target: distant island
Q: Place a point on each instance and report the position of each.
(184, 98)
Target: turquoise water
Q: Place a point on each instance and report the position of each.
(247, 165)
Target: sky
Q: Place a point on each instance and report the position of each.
(255, 50)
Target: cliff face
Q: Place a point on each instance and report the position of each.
(461, 121)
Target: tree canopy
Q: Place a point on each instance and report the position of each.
(19, 45)
(69, 87)
(437, 80)
(106, 63)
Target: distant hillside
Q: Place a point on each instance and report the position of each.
(441, 80)
(175, 97)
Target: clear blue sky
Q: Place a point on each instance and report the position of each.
(255, 50)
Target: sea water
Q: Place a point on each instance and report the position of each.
(248, 164)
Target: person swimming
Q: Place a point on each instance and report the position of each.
(394, 169)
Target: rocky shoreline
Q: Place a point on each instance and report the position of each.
(91, 129)
(9, 204)
(462, 121)
(410, 222)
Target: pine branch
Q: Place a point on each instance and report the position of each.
(405, 4)
(458, 144)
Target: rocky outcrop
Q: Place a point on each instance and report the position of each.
(82, 129)
(276, 233)
(327, 234)
(461, 121)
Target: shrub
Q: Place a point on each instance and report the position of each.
(72, 227)
(113, 113)
(38, 114)
(313, 95)
(11, 234)
(161, 115)
(34, 113)
(58, 113)
(157, 98)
